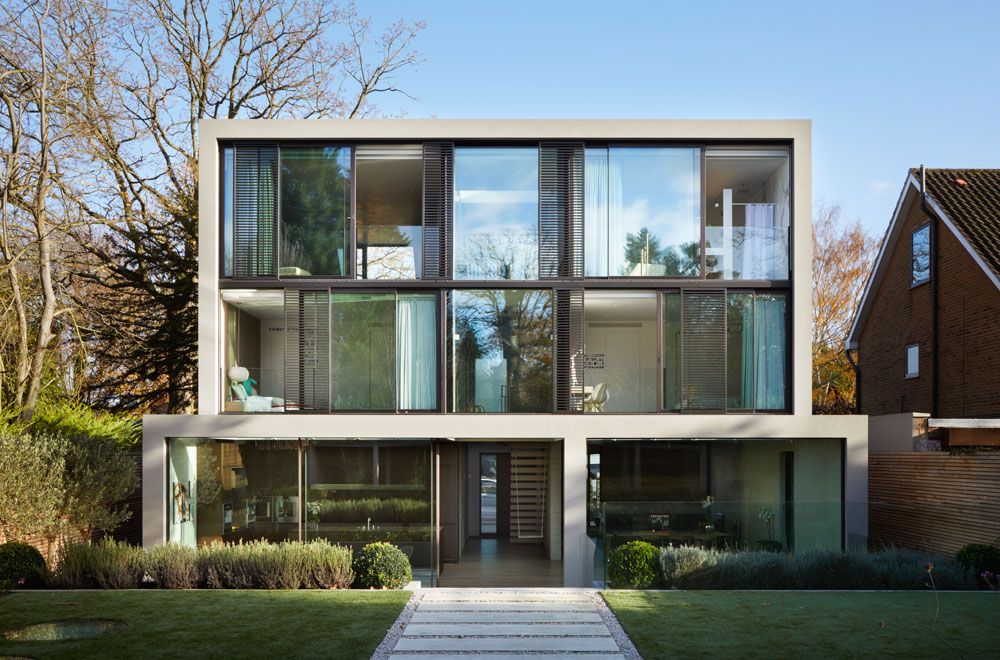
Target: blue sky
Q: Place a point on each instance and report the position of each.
(888, 85)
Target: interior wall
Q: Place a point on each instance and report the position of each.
(448, 506)
(617, 377)
(272, 357)
(553, 503)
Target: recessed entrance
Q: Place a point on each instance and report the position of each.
(501, 513)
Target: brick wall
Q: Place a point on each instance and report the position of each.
(969, 334)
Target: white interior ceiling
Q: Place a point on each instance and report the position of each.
(734, 173)
(619, 306)
(264, 305)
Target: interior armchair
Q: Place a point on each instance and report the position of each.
(243, 392)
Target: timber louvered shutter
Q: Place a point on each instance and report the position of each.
(255, 210)
(560, 209)
(703, 337)
(439, 196)
(569, 350)
(307, 350)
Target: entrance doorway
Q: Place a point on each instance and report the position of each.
(501, 513)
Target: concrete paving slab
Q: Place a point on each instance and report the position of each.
(474, 644)
(473, 606)
(488, 616)
(503, 596)
(416, 629)
(510, 656)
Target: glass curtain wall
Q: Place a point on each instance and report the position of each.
(314, 210)
(361, 492)
(501, 350)
(642, 212)
(778, 495)
(496, 213)
(389, 204)
(232, 491)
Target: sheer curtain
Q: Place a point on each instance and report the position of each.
(769, 340)
(758, 242)
(595, 198)
(746, 355)
(416, 364)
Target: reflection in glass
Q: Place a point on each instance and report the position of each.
(502, 350)
(656, 490)
(921, 255)
(362, 351)
(643, 212)
(227, 211)
(496, 213)
(748, 215)
(389, 201)
(226, 490)
(315, 210)
(361, 492)
(739, 351)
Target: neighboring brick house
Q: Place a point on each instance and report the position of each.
(941, 268)
(927, 340)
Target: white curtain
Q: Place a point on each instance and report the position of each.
(595, 214)
(616, 220)
(758, 242)
(416, 364)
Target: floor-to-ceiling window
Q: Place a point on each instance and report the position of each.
(643, 212)
(501, 350)
(389, 203)
(496, 213)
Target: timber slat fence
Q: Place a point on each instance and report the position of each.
(933, 501)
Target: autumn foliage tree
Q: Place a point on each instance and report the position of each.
(843, 254)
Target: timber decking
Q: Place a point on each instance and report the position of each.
(500, 563)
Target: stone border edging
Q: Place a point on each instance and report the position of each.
(395, 631)
(617, 632)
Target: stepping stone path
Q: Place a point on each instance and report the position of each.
(480, 624)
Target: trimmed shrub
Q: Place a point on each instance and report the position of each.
(979, 558)
(75, 566)
(633, 565)
(326, 566)
(395, 510)
(20, 561)
(107, 564)
(225, 566)
(689, 567)
(173, 566)
(381, 566)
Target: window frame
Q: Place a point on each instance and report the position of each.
(907, 374)
(925, 280)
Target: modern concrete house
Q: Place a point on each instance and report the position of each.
(506, 346)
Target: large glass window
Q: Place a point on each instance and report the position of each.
(619, 363)
(315, 209)
(778, 495)
(227, 211)
(920, 255)
(362, 351)
(389, 202)
(253, 377)
(502, 350)
(228, 490)
(361, 492)
(748, 215)
(642, 212)
(496, 213)
(756, 349)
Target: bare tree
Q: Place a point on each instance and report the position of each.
(842, 258)
(171, 65)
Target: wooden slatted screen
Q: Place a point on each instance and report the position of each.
(569, 350)
(307, 350)
(438, 213)
(560, 209)
(255, 210)
(932, 501)
(703, 340)
(528, 488)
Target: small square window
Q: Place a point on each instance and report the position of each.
(920, 255)
(913, 361)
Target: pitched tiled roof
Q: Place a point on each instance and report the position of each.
(973, 207)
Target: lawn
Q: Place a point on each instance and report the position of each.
(223, 624)
(772, 624)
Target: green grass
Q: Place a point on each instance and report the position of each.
(762, 624)
(222, 624)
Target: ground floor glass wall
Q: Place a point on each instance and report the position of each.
(350, 492)
(778, 495)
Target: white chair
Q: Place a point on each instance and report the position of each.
(596, 399)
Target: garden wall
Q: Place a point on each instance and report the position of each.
(933, 501)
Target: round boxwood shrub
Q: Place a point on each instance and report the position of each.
(981, 558)
(381, 566)
(21, 561)
(634, 566)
